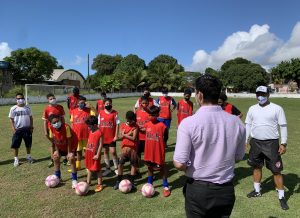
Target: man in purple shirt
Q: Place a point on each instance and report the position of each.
(208, 145)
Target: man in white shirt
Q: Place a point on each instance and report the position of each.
(262, 123)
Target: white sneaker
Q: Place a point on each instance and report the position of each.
(106, 172)
(74, 183)
(16, 163)
(29, 160)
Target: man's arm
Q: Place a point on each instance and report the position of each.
(240, 152)
(12, 122)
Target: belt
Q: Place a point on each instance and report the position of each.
(205, 183)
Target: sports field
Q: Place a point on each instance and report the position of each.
(24, 194)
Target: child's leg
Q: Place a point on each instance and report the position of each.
(163, 172)
(88, 176)
(150, 175)
(106, 157)
(99, 175)
(114, 156)
(71, 158)
(56, 159)
(78, 161)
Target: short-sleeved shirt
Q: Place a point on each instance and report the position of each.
(78, 118)
(107, 124)
(21, 116)
(53, 109)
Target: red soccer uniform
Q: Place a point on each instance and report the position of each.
(73, 102)
(165, 107)
(150, 101)
(78, 118)
(184, 109)
(53, 109)
(100, 106)
(60, 138)
(154, 143)
(91, 151)
(108, 124)
(125, 141)
(142, 117)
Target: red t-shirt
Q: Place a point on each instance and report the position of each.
(125, 141)
(154, 143)
(78, 118)
(165, 107)
(53, 109)
(73, 102)
(100, 106)
(108, 125)
(60, 138)
(142, 117)
(184, 110)
(228, 108)
(91, 151)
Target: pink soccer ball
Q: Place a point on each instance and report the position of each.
(52, 181)
(82, 188)
(125, 186)
(148, 190)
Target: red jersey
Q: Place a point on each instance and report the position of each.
(184, 110)
(125, 141)
(100, 106)
(150, 100)
(165, 107)
(91, 151)
(154, 143)
(60, 138)
(73, 102)
(108, 124)
(53, 109)
(228, 108)
(142, 117)
(78, 118)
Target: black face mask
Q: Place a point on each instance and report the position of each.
(187, 99)
(147, 95)
(108, 107)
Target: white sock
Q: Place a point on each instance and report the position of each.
(257, 186)
(106, 161)
(280, 193)
(115, 163)
(16, 159)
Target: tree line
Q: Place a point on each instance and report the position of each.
(115, 72)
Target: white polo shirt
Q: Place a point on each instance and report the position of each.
(264, 121)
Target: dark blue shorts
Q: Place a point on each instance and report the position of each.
(20, 134)
(167, 122)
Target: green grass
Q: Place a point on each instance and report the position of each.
(24, 194)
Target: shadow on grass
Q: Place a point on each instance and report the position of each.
(241, 173)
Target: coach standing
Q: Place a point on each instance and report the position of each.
(208, 145)
(262, 125)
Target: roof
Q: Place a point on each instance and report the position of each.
(58, 72)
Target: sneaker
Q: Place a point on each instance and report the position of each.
(74, 183)
(68, 163)
(116, 186)
(116, 171)
(50, 164)
(106, 172)
(283, 204)
(166, 192)
(29, 160)
(16, 163)
(254, 194)
(99, 188)
(65, 161)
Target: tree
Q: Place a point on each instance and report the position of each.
(31, 65)
(235, 61)
(286, 71)
(212, 72)
(131, 64)
(106, 64)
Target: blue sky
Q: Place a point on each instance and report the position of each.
(197, 33)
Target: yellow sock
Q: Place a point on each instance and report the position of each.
(78, 165)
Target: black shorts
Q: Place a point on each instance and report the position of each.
(154, 166)
(141, 148)
(113, 145)
(265, 151)
(20, 134)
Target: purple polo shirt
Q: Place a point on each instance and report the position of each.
(212, 140)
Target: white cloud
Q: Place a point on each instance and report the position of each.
(258, 45)
(78, 60)
(5, 50)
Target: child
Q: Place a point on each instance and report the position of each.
(78, 117)
(154, 156)
(147, 96)
(22, 125)
(93, 151)
(52, 108)
(184, 106)
(100, 103)
(72, 100)
(129, 136)
(65, 144)
(109, 125)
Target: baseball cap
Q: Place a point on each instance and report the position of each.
(262, 89)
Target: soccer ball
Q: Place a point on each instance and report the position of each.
(52, 181)
(125, 186)
(82, 188)
(148, 190)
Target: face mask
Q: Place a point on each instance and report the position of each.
(187, 99)
(108, 107)
(56, 125)
(82, 105)
(262, 100)
(147, 95)
(53, 101)
(21, 101)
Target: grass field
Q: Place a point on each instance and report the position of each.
(24, 194)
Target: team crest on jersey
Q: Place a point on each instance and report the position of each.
(278, 164)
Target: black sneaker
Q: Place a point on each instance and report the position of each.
(283, 204)
(116, 186)
(254, 194)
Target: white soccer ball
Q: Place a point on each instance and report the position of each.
(82, 188)
(125, 186)
(51, 181)
(148, 190)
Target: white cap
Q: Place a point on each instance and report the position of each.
(262, 89)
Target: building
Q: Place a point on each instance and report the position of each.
(67, 77)
(6, 78)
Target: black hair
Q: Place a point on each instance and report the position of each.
(210, 87)
(188, 91)
(143, 98)
(153, 110)
(103, 93)
(223, 96)
(80, 98)
(164, 90)
(75, 90)
(130, 115)
(19, 93)
(107, 99)
(50, 95)
(52, 116)
(92, 120)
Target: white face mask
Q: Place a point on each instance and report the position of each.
(56, 125)
(262, 100)
(21, 101)
(52, 101)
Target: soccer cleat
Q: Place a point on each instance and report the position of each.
(16, 163)
(254, 194)
(29, 160)
(116, 186)
(166, 192)
(50, 164)
(99, 188)
(106, 172)
(74, 183)
(283, 204)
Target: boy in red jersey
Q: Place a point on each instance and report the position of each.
(184, 106)
(229, 108)
(154, 156)
(129, 136)
(100, 103)
(146, 95)
(93, 151)
(65, 143)
(72, 100)
(52, 108)
(78, 117)
(109, 125)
